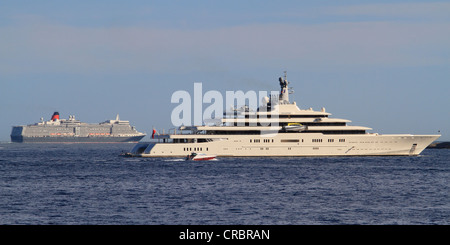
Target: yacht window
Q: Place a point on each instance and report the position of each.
(289, 141)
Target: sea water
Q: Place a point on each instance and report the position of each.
(92, 184)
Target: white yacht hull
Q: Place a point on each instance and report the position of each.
(294, 144)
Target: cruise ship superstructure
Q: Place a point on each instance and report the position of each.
(280, 128)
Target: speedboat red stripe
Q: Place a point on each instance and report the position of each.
(205, 158)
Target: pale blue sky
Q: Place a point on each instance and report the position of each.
(381, 64)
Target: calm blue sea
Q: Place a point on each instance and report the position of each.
(91, 184)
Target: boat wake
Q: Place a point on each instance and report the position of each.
(184, 160)
(174, 160)
(133, 160)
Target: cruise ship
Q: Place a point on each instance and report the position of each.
(71, 130)
(298, 132)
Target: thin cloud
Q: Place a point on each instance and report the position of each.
(38, 45)
(428, 10)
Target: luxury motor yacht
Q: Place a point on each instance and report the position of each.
(280, 128)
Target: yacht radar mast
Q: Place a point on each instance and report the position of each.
(284, 94)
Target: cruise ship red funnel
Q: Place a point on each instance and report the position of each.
(55, 116)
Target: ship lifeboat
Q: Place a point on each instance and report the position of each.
(200, 157)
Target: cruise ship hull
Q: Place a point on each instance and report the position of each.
(285, 145)
(22, 139)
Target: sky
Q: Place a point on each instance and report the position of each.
(380, 64)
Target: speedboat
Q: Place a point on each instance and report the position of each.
(200, 157)
(295, 127)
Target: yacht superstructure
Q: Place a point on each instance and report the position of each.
(281, 128)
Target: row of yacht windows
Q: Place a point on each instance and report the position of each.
(246, 132)
(253, 124)
(259, 141)
(293, 140)
(329, 140)
(194, 149)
